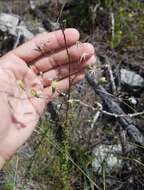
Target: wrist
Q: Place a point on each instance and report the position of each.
(2, 162)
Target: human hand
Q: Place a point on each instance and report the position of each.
(26, 86)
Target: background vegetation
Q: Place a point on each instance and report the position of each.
(64, 157)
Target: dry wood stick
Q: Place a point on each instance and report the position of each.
(126, 123)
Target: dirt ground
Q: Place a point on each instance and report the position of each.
(104, 139)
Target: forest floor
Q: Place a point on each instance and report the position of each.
(104, 144)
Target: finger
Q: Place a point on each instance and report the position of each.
(63, 71)
(44, 43)
(75, 52)
(62, 86)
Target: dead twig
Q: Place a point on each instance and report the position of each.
(100, 108)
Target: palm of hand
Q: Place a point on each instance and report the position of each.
(22, 107)
(24, 93)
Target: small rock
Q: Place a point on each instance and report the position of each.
(11, 24)
(106, 155)
(36, 3)
(8, 23)
(131, 79)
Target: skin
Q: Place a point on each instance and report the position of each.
(26, 76)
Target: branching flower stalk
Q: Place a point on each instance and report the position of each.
(66, 124)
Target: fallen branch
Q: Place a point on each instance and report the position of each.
(125, 122)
